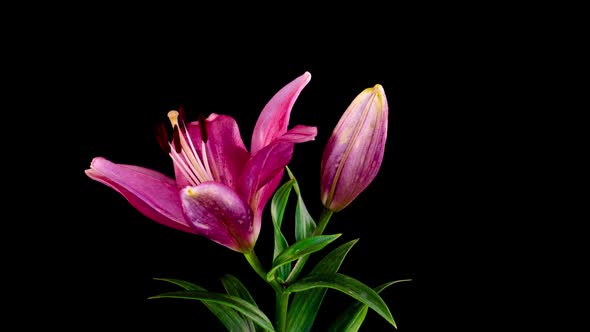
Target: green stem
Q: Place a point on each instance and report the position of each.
(322, 223)
(282, 304)
(282, 296)
(257, 266)
(255, 263)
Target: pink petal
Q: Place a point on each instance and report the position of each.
(261, 198)
(181, 179)
(274, 118)
(226, 151)
(152, 193)
(218, 213)
(263, 167)
(300, 134)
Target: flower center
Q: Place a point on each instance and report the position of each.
(194, 166)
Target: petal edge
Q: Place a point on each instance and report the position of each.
(274, 118)
(151, 193)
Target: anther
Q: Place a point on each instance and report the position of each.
(176, 139)
(181, 115)
(162, 138)
(203, 128)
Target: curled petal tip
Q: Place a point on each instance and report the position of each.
(95, 161)
(274, 118)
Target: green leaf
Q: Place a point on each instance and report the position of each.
(300, 249)
(348, 286)
(350, 323)
(351, 319)
(304, 223)
(184, 284)
(332, 261)
(277, 210)
(279, 202)
(234, 302)
(305, 305)
(233, 286)
(231, 319)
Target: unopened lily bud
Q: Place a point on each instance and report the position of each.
(353, 155)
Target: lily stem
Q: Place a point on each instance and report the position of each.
(257, 266)
(322, 223)
(255, 263)
(282, 304)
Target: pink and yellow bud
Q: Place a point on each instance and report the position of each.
(354, 153)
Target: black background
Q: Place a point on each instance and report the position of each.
(109, 80)
(126, 250)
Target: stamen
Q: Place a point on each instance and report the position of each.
(206, 161)
(186, 155)
(204, 138)
(185, 169)
(181, 115)
(197, 159)
(176, 139)
(203, 128)
(162, 138)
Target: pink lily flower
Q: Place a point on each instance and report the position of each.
(220, 189)
(354, 152)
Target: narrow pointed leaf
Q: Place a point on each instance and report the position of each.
(305, 305)
(351, 319)
(277, 210)
(347, 285)
(350, 323)
(234, 302)
(300, 249)
(304, 223)
(233, 286)
(232, 320)
(182, 283)
(332, 261)
(279, 202)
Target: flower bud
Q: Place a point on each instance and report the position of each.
(353, 155)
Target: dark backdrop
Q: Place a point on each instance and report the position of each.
(113, 83)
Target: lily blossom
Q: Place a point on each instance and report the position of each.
(354, 152)
(220, 189)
